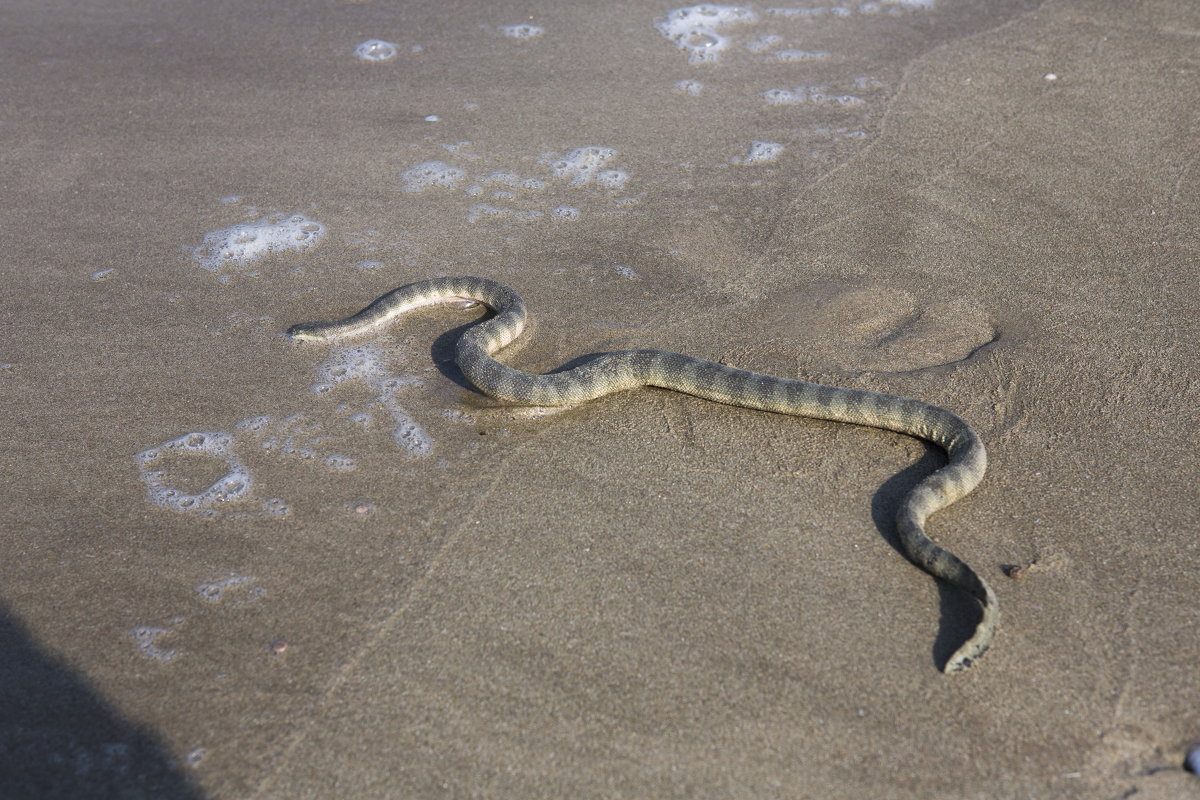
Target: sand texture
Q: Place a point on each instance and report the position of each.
(235, 566)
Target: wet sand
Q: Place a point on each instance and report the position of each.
(413, 592)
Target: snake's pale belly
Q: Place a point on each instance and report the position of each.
(627, 369)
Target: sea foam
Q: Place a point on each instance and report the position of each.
(521, 31)
(235, 484)
(431, 173)
(697, 29)
(760, 153)
(375, 50)
(240, 246)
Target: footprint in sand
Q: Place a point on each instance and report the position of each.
(875, 328)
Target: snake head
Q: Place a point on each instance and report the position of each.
(303, 332)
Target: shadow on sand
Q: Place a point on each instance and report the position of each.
(60, 739)
(960, 612)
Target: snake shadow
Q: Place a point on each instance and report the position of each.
(59, 738)
(959, 612)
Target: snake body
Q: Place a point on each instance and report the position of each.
(628, 369)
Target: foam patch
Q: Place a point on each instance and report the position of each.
(431, 173)
(375, 50)
(521, 31)
(235, 484)
(241, 246)
(696, 30)
(760, 153)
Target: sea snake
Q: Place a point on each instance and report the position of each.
(629, 369)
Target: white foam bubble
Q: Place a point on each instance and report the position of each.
(564, 212)
(521, 31)
(765, 42)
(409, 435)
(801, 55)
(867, 82)
(339, 462)
(254, 424)
(696, 29)
(611, 178)
(296, 435)
(235, 484)
(358, 362)
(482, 211)
(485, 211)
(502, 178)
(625, 272)
(240, 246)
(760, 153)
(581, 165)
(375, 50)
(276, 507)
(431, 173)
(870, 7)
(367, 364)
(407, 432)
(214, 592)
(147, 638)
(688, 86)
(391, 384)
(512, 180)
(794, 13)
(809, 94)
(784, 97)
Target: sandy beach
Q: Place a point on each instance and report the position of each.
(238, 566)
